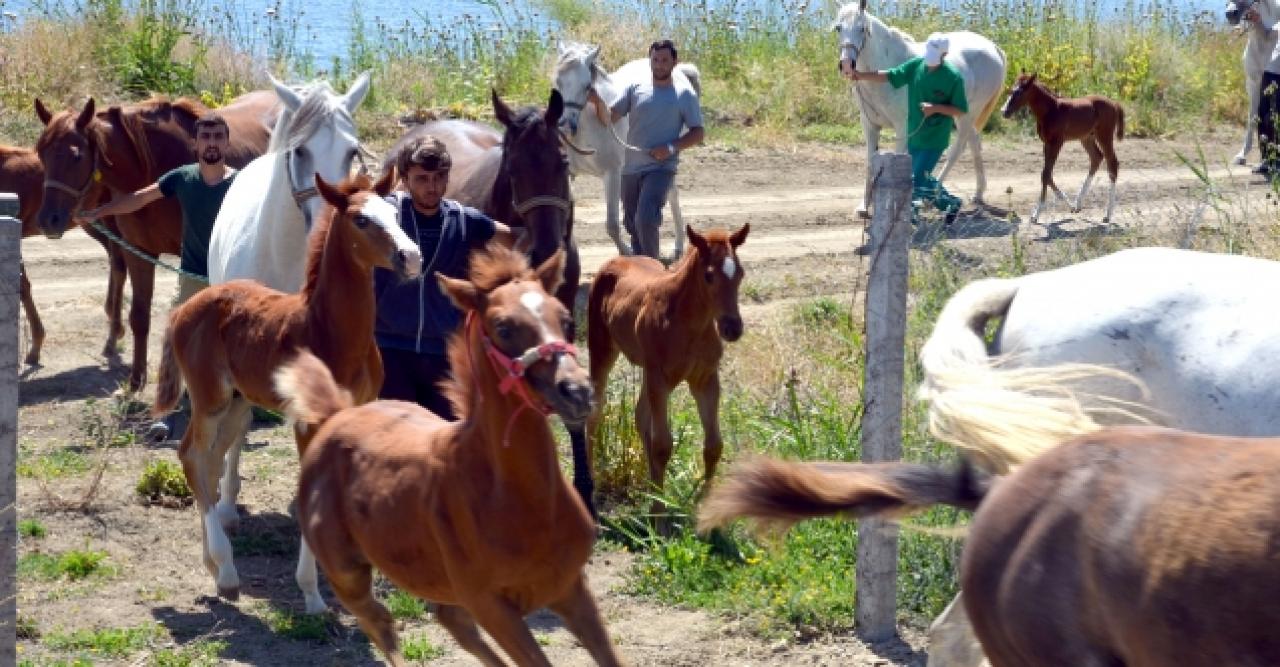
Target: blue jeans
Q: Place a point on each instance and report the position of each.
(643, 197)
(926, 188)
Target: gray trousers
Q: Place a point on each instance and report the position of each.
(643, 198)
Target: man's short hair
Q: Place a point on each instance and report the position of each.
(664, 44)
(213, 120)
(425, 151)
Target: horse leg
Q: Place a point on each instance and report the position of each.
(1107, 144)
(1051, 150)
(33, 317)
(308, 580)
(963, 136)
(658, 445)
(1090, 144)
(602, 355)
(231, 439)
(706, 393)
(504, 622)
(115, 291)
(142, 274)
(462, 626)
(677, 219)
(201, 465)
(979, 169)
(613, 203)
(1250, 126)
(871, 133)
(581, 616)
(352, 583)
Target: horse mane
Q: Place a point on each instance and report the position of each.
(293, 128)
(489, 270)
(319, 235)
(850, 10)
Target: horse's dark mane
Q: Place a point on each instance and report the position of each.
(319, 236)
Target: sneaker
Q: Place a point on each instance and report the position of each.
(1263, 169)
(157, 431)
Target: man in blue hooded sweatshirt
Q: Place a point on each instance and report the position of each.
(415, 318)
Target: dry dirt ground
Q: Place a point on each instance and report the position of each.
(799, 203)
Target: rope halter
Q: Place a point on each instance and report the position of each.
(523, 208)
(78, 193)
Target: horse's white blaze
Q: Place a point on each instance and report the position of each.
(532, 301)
(388, 218)
(220, 552)
(730, 267)
(308, 581)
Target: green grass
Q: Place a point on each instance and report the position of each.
(163, 480)
(108, 642)
(73, 565)
(203, 653)
(57, 464)
(420, 649)
(405, 606)
(298, 627)
(31, 528)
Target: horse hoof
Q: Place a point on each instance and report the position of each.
(1239, 159)
(229, 518)
(33, 358)
(230, 593)
(316, 606)
(864, 214)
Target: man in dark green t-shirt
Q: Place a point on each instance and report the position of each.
(935, 98)
(199, 188)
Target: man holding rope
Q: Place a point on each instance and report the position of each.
(659, 110)
(199, 188)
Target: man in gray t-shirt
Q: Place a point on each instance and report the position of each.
(658, 110)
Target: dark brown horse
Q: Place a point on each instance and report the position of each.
(125, 149)
(458, 513)
(670, 323)
(1132, 546)
(1096, 121)
(225, 343)
(519, 177)
(21, 173)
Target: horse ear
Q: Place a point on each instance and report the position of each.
(356, 94)
(500, 110)
(555, 108)
(737, 238)
(462, 293)
(699, 241)
(43, 112)
(86, 115)
(1032, 78)
(551, 272)
(286, 94)
(336, 199)
(383, 186)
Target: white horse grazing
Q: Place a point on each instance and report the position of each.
(1257, 53)
(871, 45)
(1198, 329)
(261, 229)
(577, 70)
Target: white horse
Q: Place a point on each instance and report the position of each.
(871, 45)
(578, 70)
(1257, 53)
(261, 229)
(1198, 329)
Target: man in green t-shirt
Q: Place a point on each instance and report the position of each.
(200, 188)
(935, 98)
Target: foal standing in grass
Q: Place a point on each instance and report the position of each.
(474, 514)
(1096, 121)
(671, 324)
(226, 341)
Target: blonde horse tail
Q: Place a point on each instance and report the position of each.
(777, 494)
(169, 386)
(1004, 416)
(981, 121)
(310, 394)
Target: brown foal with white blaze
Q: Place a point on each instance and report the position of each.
(1096, 121)
(474, 514)
(671, 324)
(226, 341)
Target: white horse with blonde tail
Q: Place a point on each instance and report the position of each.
(1257, 53)
(871, 45)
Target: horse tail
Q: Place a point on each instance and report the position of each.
(310, 394)
(980, 121)
(777, 494)
(1003, 416)
(169, 386)
(1119, 122)
(695, 76)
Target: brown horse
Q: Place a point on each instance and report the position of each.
(519, 177)
(1096, 121)
(127, 148)
(460, 513)
(1132, 546)
(227, 340)
(670, 323)
(21, 173)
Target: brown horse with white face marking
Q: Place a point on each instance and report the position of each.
(125, 149)
(1096, 121)
(475, 514)
(226, 341)
(671, 324)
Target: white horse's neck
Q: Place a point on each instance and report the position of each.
(605, 86)
(885, 47)
(282, 239)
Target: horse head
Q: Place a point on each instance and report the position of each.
(576, 72)
(375, 233)
(852, 28)
(1236, 8)
(717, 256)
(523, 329)
(316, 133)
(1018, 94)
(537, 172)
(72, 149)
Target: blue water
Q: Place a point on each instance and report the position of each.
(323, 28)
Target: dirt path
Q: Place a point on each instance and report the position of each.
(799, 204)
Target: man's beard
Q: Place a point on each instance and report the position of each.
(656, 76)
(211, 156)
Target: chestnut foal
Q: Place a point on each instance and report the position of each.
(671, 324)
(475, 514)
(1096, 121)
(226, 341)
